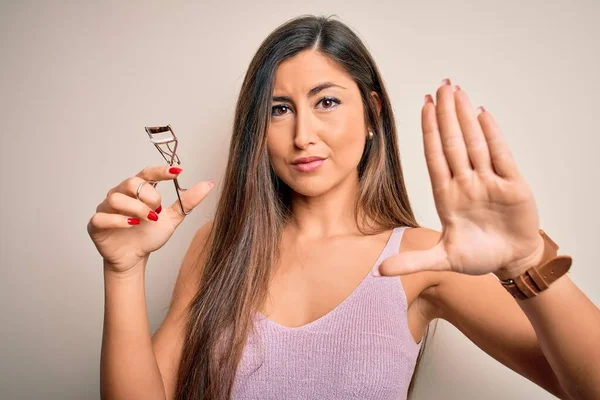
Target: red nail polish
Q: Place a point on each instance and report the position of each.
(456, 88)
(479, 110)
(174, 170)
(152, 216)
(428, 99)
(445, 81)
(133, 221)
(159, 209)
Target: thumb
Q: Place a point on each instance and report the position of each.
(192, 197)
(409, 262)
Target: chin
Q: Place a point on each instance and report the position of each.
(309, 186)
(309, 189)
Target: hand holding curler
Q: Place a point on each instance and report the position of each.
(126, 227)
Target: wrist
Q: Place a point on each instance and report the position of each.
(521, 266)
(111, 272)
(535, 274)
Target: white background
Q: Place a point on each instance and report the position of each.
(80, 81)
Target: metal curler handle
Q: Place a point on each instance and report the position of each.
(170, 154)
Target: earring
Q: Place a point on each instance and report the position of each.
(370, 135)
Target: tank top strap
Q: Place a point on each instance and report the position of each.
(358, 348)
(393, 246)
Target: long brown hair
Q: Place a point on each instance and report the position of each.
(254, 204)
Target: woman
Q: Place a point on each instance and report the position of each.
(281, 295)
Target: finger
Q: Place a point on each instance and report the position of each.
(474, 138)
(409, 262)
(453, 142)
(159, 172)
(119, 203)
(192, 197)
(439, 171)
(102, 221)
(147, 192)
(152, 174)
(501, 156)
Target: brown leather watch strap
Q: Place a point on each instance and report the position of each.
(537, 279)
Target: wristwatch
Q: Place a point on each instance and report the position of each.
(537, 279)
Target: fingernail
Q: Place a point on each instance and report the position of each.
(480, 109)
(428, 99)
(152, 216)
(133, 221)
(456, 88)
(159, 209)
(376, 272)
(174, 170)
(445, 81)
(211, 182)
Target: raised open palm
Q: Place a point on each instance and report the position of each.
(488, 213)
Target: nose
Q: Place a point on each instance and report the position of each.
(305, 130)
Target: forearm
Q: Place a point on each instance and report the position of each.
(567, 325)
(128, 367)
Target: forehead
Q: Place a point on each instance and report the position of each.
(307, 69)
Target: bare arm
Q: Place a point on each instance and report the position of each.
(552, 339)
(168, 340)
(128, 367)
(135, 364)
(567, 324)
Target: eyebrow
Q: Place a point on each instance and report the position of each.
(311, 92)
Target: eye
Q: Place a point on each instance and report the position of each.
(328, 103)
(332, 102)
(275, 110)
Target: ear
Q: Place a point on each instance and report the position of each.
(377, 101)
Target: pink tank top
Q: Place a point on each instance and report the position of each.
(362, 349)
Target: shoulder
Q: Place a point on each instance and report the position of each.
(191, 268)
(425, 283)
(196, 253)
(421, 238)
(448, 294)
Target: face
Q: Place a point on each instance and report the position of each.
(317, 111)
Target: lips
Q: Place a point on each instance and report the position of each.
(309, 166)
(306, 160)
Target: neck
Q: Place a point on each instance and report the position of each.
(329, 214)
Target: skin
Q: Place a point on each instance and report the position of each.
(323, 231)
(324, 256)
(310, 126)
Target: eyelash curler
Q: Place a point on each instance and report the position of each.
(162, 137)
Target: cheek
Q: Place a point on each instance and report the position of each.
(274, 147)
(276, 150)
(347, 141)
